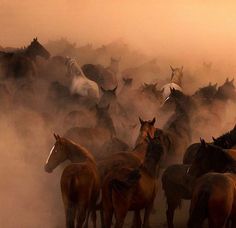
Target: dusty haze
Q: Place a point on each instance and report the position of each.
(176, 32)
(204, 29)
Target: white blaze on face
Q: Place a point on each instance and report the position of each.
(50, 153)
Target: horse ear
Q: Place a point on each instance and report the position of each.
(145, 84)
(36, 38)
(215, 85)
(214, 139)
(172, 68)
(103, 90)
(232, 81)
(182, 68)
(141, 121)
(55, 136)
(155, 85)
(203, 143)
(153, 121)
(227, 80)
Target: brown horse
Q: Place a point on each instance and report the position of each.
(126, 189)
(80, 185)
(214, 198)
(214, 194)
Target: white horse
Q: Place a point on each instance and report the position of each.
(80, 83)
(175, 82)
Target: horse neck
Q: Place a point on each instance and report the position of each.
(141, 149)
(77, 153)
(31, 53)
(177, 80)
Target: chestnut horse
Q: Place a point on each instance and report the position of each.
(126, 189)
(214, 194)
(80, 185)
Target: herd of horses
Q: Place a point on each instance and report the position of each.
(106, 172)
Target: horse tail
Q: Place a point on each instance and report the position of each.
(71, 197)
(199, 209)
(132, 179)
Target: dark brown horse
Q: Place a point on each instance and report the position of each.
(20, 64)
(93, 138)
(175, 188)
(225, 141)
(79, 182)
(126, 189)
(214, 194)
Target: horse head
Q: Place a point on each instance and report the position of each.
(227, 90)
(57, 155)
(147, 127)
(210, 158)
(35, 48)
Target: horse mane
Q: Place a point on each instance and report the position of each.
(78, 149)
(226, 140)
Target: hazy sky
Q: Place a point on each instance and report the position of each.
(186, 27)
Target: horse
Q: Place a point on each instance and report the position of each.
(151, 92)
(20, 64)
(80, 185)
(94, 137)
(206, 94)
(125, 189)
(80, 83)
(105, 77)
(225, 141)
(214, 199)
(214, 194)
(177, 131)
(175, 188)
(175, 82)
(131, 159)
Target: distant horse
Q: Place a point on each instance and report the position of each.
(175, 82)
(206, 94)
(80, 185)
(80, 83)
(226, 91)
(20, 64)
(125, 189)
(214, 194)
(151, 92)
(225, 141)
(177, 131)
(105, 77)
(94, 137)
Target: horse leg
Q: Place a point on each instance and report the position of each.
(137, 223)
(170, 214)
(120, 215)
(147, 213)
(87, 219)
(81, 216)
(70, 215)
(94, 218)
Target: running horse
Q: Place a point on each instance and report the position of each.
(175, 82)
(20, 64)
(80, 185)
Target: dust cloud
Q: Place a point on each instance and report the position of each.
(183, 32)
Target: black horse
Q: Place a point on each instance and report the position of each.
(225, 141)
(20, 64)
